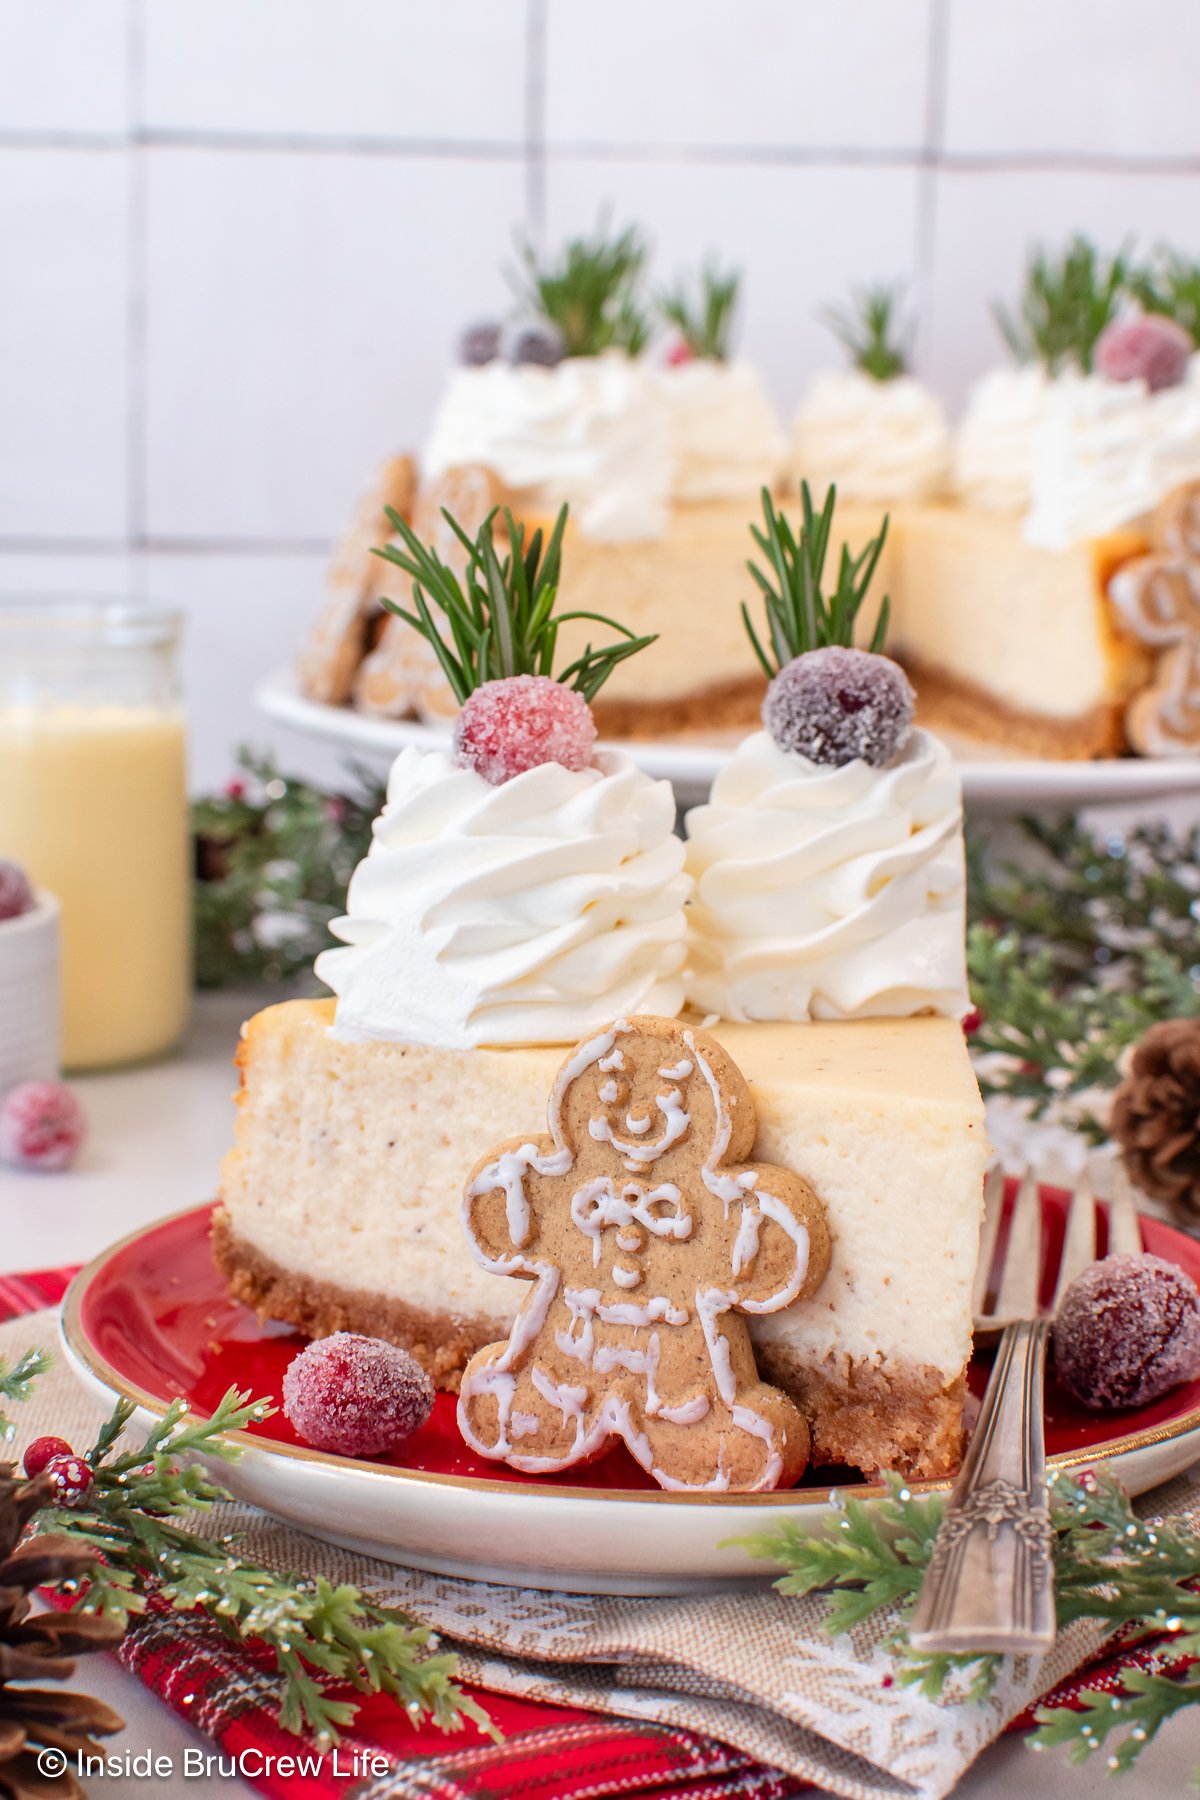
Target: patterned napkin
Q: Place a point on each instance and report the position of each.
(722, 1694)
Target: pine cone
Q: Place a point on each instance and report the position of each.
(1156, 1116)
(42, 1647)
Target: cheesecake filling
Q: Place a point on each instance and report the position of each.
(527, 913)
(828, 893)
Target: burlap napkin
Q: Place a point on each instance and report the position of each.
(751, 1668)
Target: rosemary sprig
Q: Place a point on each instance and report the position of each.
(1170, 284)
(1109, 1565)
(706, 323)
(500, 615)
(16, 1379)
(799, 616)
(591, 292)
(869, 328)
(1066, 303)
(1070, 968)
(319, 1634)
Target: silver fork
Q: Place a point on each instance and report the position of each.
(990, 1580)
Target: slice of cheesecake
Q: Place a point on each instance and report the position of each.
(341, 1205)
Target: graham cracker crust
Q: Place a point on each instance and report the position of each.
(945, 703)
(725, 706)
(442, 1342)
(874, 1419)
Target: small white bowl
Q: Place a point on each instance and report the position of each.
(29, 995)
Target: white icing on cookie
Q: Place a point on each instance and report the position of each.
(597, 1205)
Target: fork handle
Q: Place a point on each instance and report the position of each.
(990, 1580)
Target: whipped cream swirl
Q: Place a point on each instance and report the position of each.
(994, 445)
(1107, 452)
(828, 893)
(594, 431)
(729, 443)
(878, 440)
(529, 913)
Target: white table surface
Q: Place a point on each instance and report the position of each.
(156, 1140)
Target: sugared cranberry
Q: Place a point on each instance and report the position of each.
(356, 1396)
(972, 1021)
(680, 353)
(16, 894)
(540, 343)
(42, 1126)
(836, 704)
(480, 343)
(71, 1477)
(43, 1451)
(521, 722)
(1128, 1329)
(1148, 348)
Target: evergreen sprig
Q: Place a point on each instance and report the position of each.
(500, 615)
(16, 1380)
(1170, 284)
(799, 615)
(1109, 1565)
(705, 323)
(1066, 303)
(591, 292)
(319, 1633)
(1069, 966)
(869, 328)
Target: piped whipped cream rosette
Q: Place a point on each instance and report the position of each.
(520, 888)
(828, 864)
(873, 431)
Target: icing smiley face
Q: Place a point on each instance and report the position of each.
(643, 1233)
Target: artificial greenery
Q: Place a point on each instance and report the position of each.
(1066, 303)
(800, 616)
(16, 1380)
(869, 327)
(1170, 284)
(500, 614)
(1074, 952)
(705, 323)
(1109, 1565)
(591, 292)
(274, 856)
(319, 1634)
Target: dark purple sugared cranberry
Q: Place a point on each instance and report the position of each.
(480, 343)
(836, 704)
(1128, 1330)
(537, 342)
(16, 894)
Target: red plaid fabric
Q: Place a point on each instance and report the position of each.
(230, 1692)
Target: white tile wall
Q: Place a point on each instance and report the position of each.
(788, 74)
(240, 236)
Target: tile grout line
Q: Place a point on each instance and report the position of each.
(135, 298)
(535, 120)
(925, 225)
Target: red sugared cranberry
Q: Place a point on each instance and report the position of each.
(42, 1126)
(16, 895)
(521, 722)
(681, 352)
(71, 1477)
(43, 1451)
(1128, 1329)
(356, 1396)
(836, 704)
(1148, 348)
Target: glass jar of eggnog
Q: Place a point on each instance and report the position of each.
(93, 804)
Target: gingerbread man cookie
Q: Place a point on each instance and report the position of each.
(645, 1235)
(1158, 600)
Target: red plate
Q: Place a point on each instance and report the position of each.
(152, 1318)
